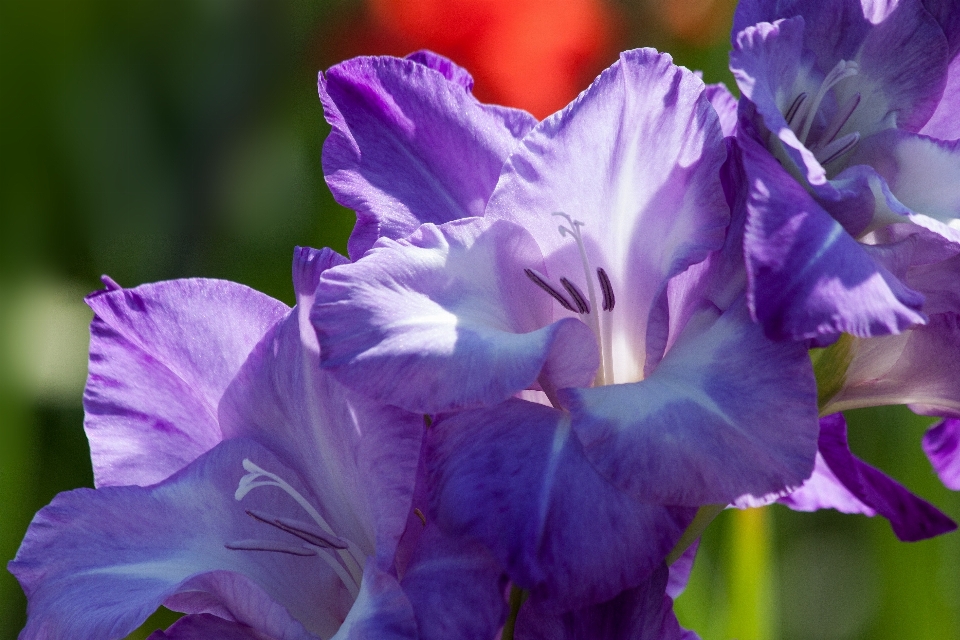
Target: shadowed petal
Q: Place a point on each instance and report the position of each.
(515, 478)
(95, 564)
(765, 61)
(644, 612)
(360, 458)
(942, 446)
(808, 277)
(947, 14)
(447, 319)
(944, 124)
(900, 48)
(935, 270)
(238, 598)
(727, 412)
(409, 145)
(456, 588)
(161, 356)
(206, 627)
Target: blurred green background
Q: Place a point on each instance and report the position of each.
(161, 139)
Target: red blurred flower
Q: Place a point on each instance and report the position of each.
(532, 54)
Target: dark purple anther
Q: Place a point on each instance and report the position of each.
(268, 545)
(795, 107)
(608, 298)
(304, 530)
(540, 282)
(582, 305)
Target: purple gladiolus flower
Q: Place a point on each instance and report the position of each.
(599, 260)
(604, 278)
(848, 125)
(237, 482)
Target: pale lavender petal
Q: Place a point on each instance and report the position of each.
(161, 356)
(410, 146)
(649, 194)
(644, 612)
(456, 587)
(515, 478)
(808, 277)
(382, 610)
(95, 563)
(445, 66)
(942, 445)
(920, 368)
(944, 124)
(727, 412)
(921, 172)
(207, 627)
(360, 458)
(725, 105)
(517, 121)
(911, 517)
(448, 319)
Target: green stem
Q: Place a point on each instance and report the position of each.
(517, 598)
(752, 603)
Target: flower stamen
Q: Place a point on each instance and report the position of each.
(607, 289)
(541, 281)
(806, 112)
(838, 121)
(791, 113)
(582, 305)
(587, 305)
(342, 555)
(837, 148)
(268, 545)
(303, 530)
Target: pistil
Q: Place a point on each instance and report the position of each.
(588, 306)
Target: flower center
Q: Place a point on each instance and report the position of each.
(312, 538)
(804, 109)
(585, 306)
